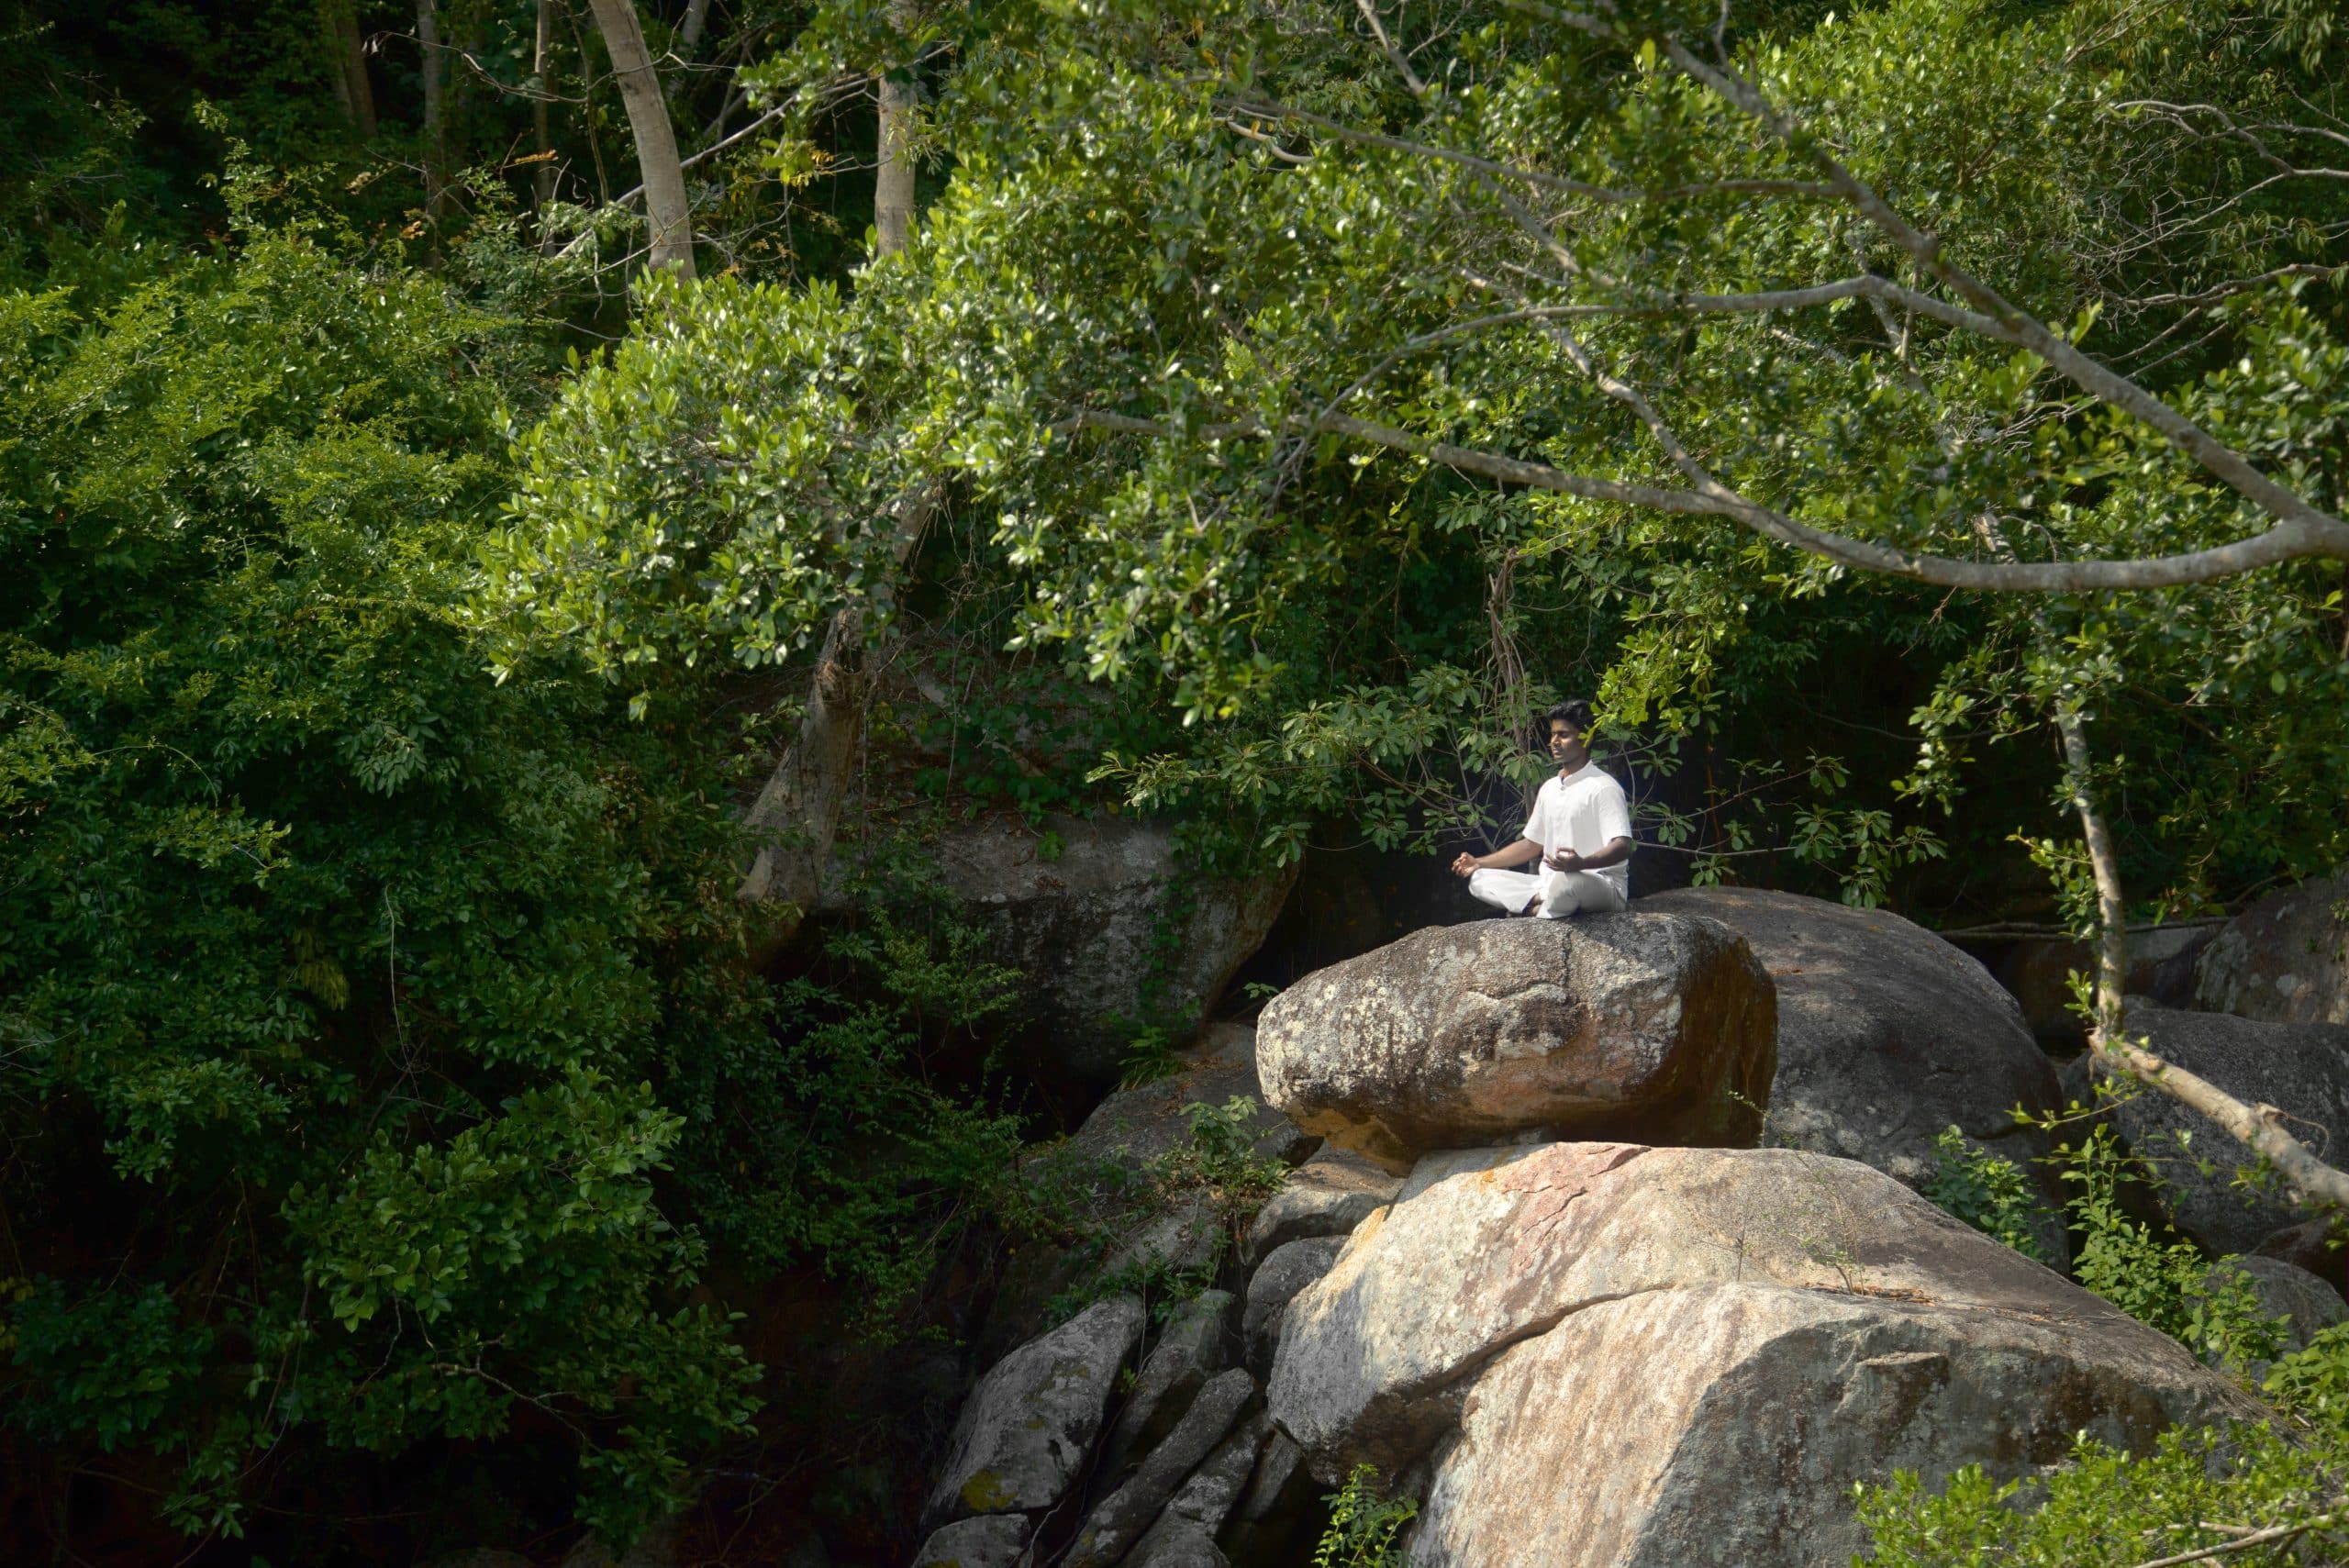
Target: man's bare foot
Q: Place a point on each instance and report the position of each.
(1532, 908)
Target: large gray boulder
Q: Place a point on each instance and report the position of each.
(1660, 1026)
(1275, 1283)
(2302, 1068)
(1118, 1520)
(990, 1540)
(2285, 959)
(1887, 1035)
(1027, 1428)
(1193, 1347)
(1611, 1354)
(1094, 912)
(1328, 1195)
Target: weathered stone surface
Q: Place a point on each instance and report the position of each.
(1135, 1127)
(1118, 1520)
(1028, 1427)
(990, 1540)
(1620, 1355)
(1087, 924)
(1178, 1545)
(1277, 1520)
(2302, 1068)
(1207, 1499)
(2309, 1245)
(2285, 959)
(1655, 1025)
(2308, 1304)
(2038, 971)
(1194, 1345)
(1277, 1279)
(1887, 1035)
(1328, 1195)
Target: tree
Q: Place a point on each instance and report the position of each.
(668, 209)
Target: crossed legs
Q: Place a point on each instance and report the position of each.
(1560, 893)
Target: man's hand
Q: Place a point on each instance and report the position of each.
(1465, 865)
(1564, 860)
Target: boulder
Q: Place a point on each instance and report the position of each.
(656, 1548)
(1029, 1427)
(1278, 1518)
(1177, 1544)
(1328, 1195)
(1887, 1035)
(1118, 1520)
(2285, 959)
(1133, 1128)
(1096, 913)
(1276, 1281)
(1655, 1025)
(1193, 1347)
(2306, 1303)
(1612, 1354)
(2038, 971)
(1207, 1499)
(990, 1540)
(2309, 1245)
(2302, 1068)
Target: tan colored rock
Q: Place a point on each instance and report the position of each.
(1657, 1027)
(2285, 959)
(1621, 1355)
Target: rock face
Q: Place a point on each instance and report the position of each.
(1192, 1348)
(1275, 1283)
(991, 1541)
(1887, 1035)
(1659, 1026)
(2285, 959)
(1611, 1354)
(2299, 1068)
(2306, 1303)
(1118, 1522)
(1086, 906)
(1028, 1426)
(1328, 1195)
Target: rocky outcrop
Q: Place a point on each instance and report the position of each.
(1887, 1035)
(1120, 1518)
(1660, 1026)
(1275, 1283)
(1193, 1347)
(2309, 1245)
(2285, 959)
(1030, 1425)
(2302, 1068)
(992, 1541)
(2307, 1305)
(1607, 1353)
(1094, 912)
(1328, 1195)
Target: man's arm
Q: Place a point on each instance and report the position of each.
(1616, 851)
(1516, 854)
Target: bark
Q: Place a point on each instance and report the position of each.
(436, 69)
(798, 813)
(542, 140)
(348, 55)
(666, 211)
(2259, 1128)
(697, 19)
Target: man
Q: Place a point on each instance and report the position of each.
(1580, 831)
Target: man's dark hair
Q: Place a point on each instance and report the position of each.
(1574, 710)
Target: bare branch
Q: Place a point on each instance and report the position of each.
(2277, 545)
(1272, 110)
(1402, 65)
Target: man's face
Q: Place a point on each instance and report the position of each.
(1565, 743)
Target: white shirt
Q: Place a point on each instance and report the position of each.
(1584, 812)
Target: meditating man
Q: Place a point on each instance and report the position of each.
(1580, 831)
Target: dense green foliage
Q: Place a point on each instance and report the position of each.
(400, 598)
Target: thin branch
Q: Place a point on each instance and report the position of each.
(2267, 1537)
(1271, 110)
(1402, 65)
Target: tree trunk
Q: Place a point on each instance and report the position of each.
(656, 141)
(436, 67)
(696, 18)
(798, 813)
(349, 57)
(542, 143)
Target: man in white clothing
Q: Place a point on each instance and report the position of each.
(1580, 831)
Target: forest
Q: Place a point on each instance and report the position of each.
(524, 525)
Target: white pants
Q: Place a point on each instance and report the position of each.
(1563, 893)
